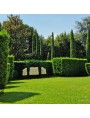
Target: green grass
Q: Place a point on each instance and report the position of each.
(55, 90)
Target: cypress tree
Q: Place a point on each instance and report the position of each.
(52, 46)
(41, 46)
(72, 45)
(88, 46)
(36, 43)
(33, 41)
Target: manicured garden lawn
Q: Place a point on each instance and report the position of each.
(48, 90)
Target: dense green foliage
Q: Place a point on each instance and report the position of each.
(4, 50)
(69, 66)
(11, 61)
(62, 45)
(72, 45)
(56, 90)
(88, 46)
(87, 66)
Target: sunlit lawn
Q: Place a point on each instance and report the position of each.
(54, 90)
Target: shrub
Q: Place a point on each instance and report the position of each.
(11, 61)
(87, 67)
(4, 50)
(69, 66)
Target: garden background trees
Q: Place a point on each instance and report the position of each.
(26, 42)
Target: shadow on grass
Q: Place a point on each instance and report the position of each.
(14, 82)
(11, 97)
(8, 87)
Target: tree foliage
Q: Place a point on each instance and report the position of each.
(82, 27)
(19, 33)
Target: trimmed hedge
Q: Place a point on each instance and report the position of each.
(4, 50)
(11, 61)
(20, 65)
(69, 67)
(87, 67)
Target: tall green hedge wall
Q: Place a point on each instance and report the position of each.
(69, 66)
(4, 50)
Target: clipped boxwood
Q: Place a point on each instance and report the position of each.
(4, 50)
(11, 61)
(69, 66)
(87, 67)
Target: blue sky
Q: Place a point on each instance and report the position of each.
(48, 23)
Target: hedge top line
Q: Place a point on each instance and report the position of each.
(64, 58)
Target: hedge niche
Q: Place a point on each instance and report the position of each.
(4, 50)
(11, 61)
(69, 67)
(20, 65)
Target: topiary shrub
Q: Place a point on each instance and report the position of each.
(69, 66)
(11, 61)
(4, 50)
(87, 67)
